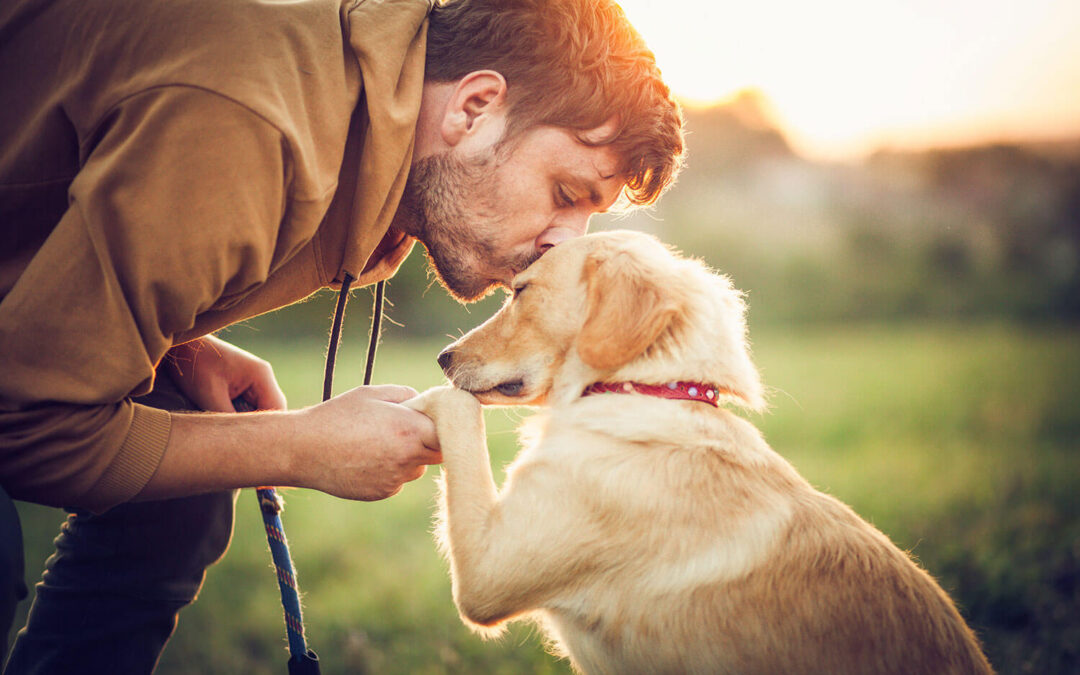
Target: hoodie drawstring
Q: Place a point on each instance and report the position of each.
(335, 337)
(376, 328)
(335, 334)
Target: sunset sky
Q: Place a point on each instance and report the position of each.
(848, 76)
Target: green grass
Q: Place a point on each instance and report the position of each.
(960, 442)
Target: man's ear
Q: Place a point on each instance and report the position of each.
(626, 310)
(476, 110)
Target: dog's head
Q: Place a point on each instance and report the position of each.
(613, 306)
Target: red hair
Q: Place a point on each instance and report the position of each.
(568, 63)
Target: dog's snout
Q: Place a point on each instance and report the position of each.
(446, 358)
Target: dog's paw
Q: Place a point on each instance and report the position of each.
(445, 403)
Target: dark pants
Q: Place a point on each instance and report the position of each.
(12, 584)
(109, 597)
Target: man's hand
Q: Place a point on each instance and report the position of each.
(212, 372)
(369, 444)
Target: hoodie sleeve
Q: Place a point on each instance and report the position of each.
(177, 205)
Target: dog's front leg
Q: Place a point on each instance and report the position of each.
(459, 423)
(469, 497)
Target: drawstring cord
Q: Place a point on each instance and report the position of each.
(335, 334)
(335, 337)
(376, 328)
(303, 661)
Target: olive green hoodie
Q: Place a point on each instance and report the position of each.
(167, 169)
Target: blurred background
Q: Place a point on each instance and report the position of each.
(896, 186)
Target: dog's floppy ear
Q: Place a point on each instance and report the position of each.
(626, 309)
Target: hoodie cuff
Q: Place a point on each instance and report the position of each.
(136, 462)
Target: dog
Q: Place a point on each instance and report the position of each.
(646, 526)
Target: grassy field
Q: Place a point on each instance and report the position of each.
(959, 442)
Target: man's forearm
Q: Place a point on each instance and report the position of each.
(219, 451)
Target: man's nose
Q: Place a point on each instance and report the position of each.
(557, 234)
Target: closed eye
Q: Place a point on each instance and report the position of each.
(562, 198)
(519, 289)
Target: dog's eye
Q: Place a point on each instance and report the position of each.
(519, 289)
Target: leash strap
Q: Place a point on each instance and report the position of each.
(304, 661)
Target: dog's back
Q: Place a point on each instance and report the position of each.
(853, 600)
(839, 597)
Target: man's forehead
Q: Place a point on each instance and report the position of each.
(601, 188)
(597, 170)
(607, 164)
(607, 182)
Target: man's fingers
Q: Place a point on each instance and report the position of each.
(434, 457)
(268, 396)
(215, 398)
(391, 393)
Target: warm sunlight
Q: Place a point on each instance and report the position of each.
(848, 76)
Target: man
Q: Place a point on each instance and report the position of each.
(167, 169)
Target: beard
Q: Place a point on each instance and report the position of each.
(449, 205)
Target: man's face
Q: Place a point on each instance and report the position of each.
(486, 216)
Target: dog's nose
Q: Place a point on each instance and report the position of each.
(445, 358)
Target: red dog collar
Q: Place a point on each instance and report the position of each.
(686, 391)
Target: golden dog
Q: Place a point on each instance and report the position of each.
(646, 528)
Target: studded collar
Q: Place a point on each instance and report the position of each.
(688, 391)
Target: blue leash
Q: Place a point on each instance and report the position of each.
(304, 661)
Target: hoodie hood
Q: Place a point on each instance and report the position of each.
(389, 40)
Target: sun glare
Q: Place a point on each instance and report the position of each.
(848, 76)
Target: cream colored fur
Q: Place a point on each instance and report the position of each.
(659, 536)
